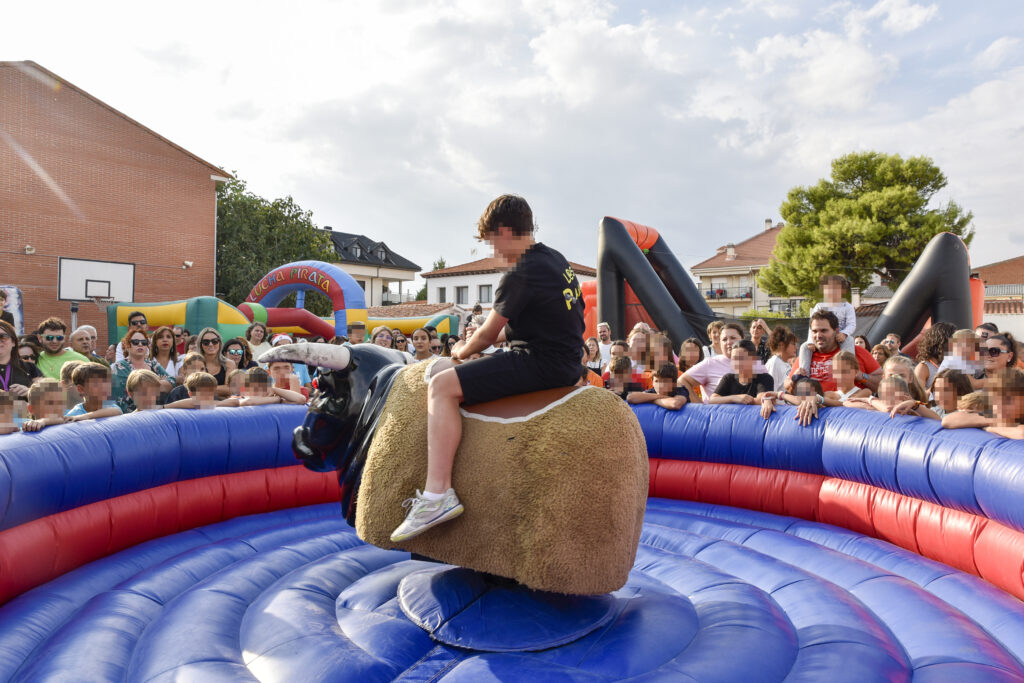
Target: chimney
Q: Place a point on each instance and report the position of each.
(767, 223)
(328, 228)
(730, 252)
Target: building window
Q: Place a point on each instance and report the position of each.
(380, 254)
(362, 284)
(462, 295)
(485, 294)
(356, 250)
(441, 296)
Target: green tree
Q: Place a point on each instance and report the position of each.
(438, 265)
(871, 217)
(255, 235)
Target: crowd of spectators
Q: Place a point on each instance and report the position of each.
(965, 378)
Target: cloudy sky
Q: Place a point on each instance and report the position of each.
(402, 119)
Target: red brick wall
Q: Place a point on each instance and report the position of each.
(137, 199)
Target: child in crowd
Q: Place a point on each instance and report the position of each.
(45, 404)
(282, 375)
(975, 402)
(190, 364)
(257, 390)
(639, 348)
(807, 395)
(845, 369)
(621, 378)
(7, 423)
(833, 288)
(714, 332)
(690, 353)
(1006, 391)
(71, 395)
(742, 385)
(620, 348)
(904, 367)
(664, 391)
(92, 380)
(236, 382)
(782, 343)
(144, 388)
(895, 396)
(964, 347)
(948, 387)
(659, 354)
(202, 392)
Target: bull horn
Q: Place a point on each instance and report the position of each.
(319, 354)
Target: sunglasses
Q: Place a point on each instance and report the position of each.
(54, 337)
(137, 321)
(210, 342)
(28, 356)
(179, 335)
(139, 342)
(994, 351)
(235, 352)
(435, 347)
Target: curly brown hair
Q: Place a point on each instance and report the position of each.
(508, 210)
(934, 342)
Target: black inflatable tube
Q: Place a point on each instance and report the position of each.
(660, 283)
(938, 286)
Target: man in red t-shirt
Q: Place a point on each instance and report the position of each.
(824, 326)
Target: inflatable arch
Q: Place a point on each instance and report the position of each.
(631, 253)
(187, 544)
(345, 294)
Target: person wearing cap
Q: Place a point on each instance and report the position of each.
(356, 332)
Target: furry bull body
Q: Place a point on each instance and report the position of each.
(554, 500)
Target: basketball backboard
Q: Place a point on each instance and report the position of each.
(83, 279)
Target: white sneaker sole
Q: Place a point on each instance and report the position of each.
(451, 514)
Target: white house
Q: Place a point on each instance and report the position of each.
(375, 267)
(475, 282)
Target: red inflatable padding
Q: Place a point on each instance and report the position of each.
(779, 492)
(965, 541)
(41, 550)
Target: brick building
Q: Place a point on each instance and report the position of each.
(79, 179)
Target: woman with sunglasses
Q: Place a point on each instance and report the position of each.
(998, 352)
(211, 349)
(16, 374)
(164, 351)
(258, 339)
(401, 343)
(29, 349)
(238, 350)
(425, 348)
(135, 347)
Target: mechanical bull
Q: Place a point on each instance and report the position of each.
(554, 483)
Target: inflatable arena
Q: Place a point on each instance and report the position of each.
(190, 545)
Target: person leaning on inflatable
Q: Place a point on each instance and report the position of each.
(538, 309)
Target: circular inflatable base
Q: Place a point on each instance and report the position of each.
(716, 594)
(475, 611)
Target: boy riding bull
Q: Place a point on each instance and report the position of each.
(538, 310)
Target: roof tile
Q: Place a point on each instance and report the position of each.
(754, 251)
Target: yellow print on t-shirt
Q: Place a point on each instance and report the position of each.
(571, 294)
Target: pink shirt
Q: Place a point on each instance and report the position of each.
(709, 372)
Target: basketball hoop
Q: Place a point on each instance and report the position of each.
(102, 302)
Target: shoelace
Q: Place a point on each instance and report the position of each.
(414, 502)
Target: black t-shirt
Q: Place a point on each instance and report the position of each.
(178, 393)
(19, 376)
(627, 389)
(676, 391)
(731, 386)
(542, 300)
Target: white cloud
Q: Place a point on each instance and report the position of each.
(898, 16)
(997, 53)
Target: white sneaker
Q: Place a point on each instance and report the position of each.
(424, 514)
